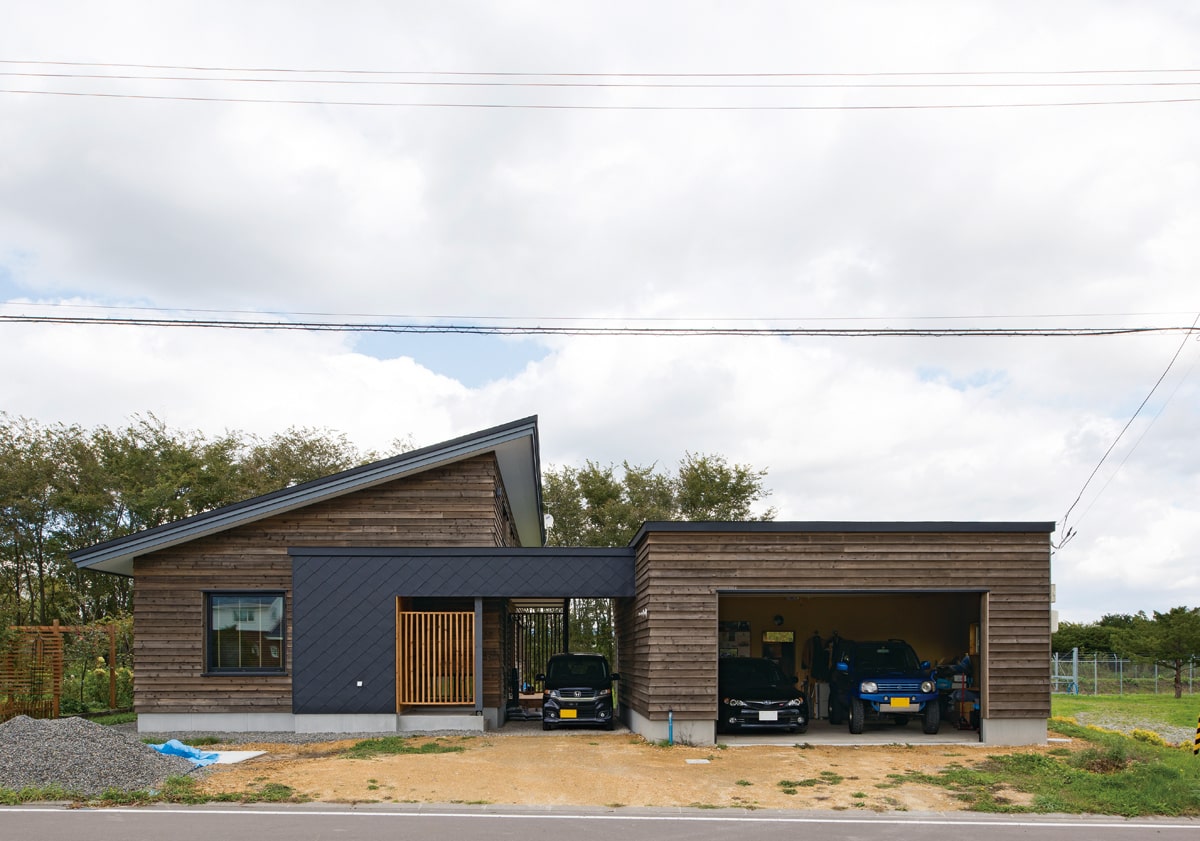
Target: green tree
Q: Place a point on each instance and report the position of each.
(63, 487)
(1170, 639)
(597, 506)
(1090, 637)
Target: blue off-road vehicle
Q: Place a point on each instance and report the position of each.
(882, 680)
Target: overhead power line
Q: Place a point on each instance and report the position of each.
(492, 82)
(690, 75)
(575, 107)
(1068, 532)
(127, 81)
(431, 328)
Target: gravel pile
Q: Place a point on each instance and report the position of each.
(80, 756)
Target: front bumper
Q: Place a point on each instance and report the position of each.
(750, 718)
(577, 712)
(887, 703)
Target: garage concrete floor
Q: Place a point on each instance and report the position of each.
(823, 733)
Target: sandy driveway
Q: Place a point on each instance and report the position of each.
(612, 769)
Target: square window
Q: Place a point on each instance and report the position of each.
(245, 632)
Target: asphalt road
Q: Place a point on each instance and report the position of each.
(316, 822)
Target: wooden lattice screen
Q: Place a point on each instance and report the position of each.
(435, 657)
(31, 670)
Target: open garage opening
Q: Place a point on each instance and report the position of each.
(806, 633)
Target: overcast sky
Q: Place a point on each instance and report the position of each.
(637, 201)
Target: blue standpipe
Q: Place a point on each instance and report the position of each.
(670, 727)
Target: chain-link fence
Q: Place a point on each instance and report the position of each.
(1108, 674)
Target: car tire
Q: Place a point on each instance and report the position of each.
(857, 715)
(931, 719)
(610, 725)
(836, 715)
(547, 726)
(803, 728)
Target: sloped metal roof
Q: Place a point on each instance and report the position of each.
(514, 444)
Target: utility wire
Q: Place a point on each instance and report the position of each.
(294, 315)
(1134, 446)
(527, 74)
(441, 82)
(577, 330)
(571, 107)
(977, 81)
(1068, 532)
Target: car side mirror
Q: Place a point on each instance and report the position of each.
(925, 665)
(843, 667)
(615, 676)
(540, 678)
(795, 678)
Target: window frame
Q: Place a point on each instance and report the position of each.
(210, 668)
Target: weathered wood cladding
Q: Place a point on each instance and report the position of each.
(667, 643)
(459, 504)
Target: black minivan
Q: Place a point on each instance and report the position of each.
(577, 689)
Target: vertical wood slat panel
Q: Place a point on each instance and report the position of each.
(435, 657)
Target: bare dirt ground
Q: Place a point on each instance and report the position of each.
(612, 769)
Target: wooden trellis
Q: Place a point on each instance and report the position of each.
(435, 658)
(31, 669)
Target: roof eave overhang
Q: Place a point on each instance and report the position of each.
(515, 446)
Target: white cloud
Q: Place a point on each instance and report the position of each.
(897, 218)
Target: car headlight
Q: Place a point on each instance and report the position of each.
(733, 702)
(928, 686)
(795, 702)
(603, 693)
(554, 694)
(868, 687)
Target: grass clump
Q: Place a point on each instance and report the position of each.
(30, 794)
(392, 745)
(1112, 774)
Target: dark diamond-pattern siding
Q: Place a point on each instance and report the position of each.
(344, 608)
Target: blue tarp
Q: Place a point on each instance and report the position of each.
(174, 747)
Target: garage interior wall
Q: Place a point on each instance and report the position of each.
(936, 625)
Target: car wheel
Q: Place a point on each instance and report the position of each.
(857, 715)
(546, 725)
(835, 712)
(931, 720)
(610, 725)
(803, 728)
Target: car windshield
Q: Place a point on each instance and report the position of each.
(582, 669)
(750, 671)
(885, 657)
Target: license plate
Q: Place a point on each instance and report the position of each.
(899, 702)
(566, 713)
(768, 715)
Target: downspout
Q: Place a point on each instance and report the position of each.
(478, 655)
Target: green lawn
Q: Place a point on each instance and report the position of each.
(1145, 710)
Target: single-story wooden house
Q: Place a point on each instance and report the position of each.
(415, 593)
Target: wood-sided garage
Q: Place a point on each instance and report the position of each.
(946, 587)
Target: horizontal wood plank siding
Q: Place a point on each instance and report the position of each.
(454, 505)
(667, 642)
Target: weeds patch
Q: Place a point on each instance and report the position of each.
(392, 745)
(1112, 774)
